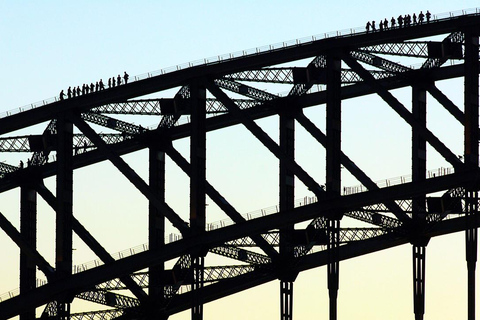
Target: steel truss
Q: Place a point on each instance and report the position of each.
(270, 247)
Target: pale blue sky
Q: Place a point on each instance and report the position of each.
(50, 45)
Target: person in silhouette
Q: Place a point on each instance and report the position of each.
(119, 80)
(78, 90)
(109, 82)
(21, 164)
(421, 16)
(368, 26)
(400, 21)
(92, 86)
(392, 22)
(74, 92)
(428, 14)
(373, 26)
(125, 77)
(385, 24)
(69, 92)
(96, 86)
(113, 81)
(102, 86)
(62, 95)
(380, 25)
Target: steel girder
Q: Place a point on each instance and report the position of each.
(128, 265)
(222, 121)
(253, 276)
(271, 106)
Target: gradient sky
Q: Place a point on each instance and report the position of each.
(50, 45)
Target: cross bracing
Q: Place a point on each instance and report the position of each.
(240, 91)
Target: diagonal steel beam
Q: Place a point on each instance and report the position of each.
(349, 164)
(17, 237)
(90, 241)
(266, 140)
(131, 175)
(447, 103)
(403, 112)
(221, 202)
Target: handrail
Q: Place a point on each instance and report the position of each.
(253, 51)
(225, 222)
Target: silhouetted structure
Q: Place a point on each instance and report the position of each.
(267, 248)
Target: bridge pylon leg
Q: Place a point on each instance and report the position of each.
(419, 170)
(333, 230)
(287, 202)
(471, 240)
(198, 264)
(471, 156)
(198, 142)
(64, 211)
(419, 280)
(28, 229)
(156, 226)
(286, 300)
(333, 173)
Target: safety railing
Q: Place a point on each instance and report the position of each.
(253, 51)
(226, 222)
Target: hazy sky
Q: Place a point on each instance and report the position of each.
(50, 45)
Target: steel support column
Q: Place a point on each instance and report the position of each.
(287, 197)
(64, 212)
(471, 157)
(471, 240)
(418, 280)
(198, 188)
(28, 230)
(333, 173)
(156, 237)
(419, 169)
(286, 300)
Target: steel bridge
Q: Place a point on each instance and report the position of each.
(214, 95)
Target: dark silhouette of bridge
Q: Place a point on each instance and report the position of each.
(214, 95)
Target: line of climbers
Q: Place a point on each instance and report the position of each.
(403, 21)
(99, 85)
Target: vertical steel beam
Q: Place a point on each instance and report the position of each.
(419, 143)
(287, 197)
(28, 230)
(418, 280)
(64, 212)
(333, 174)
(156, 222)
(419, 169)
(471, 157)
(286, 299)
(197, 188)
(471, 241)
